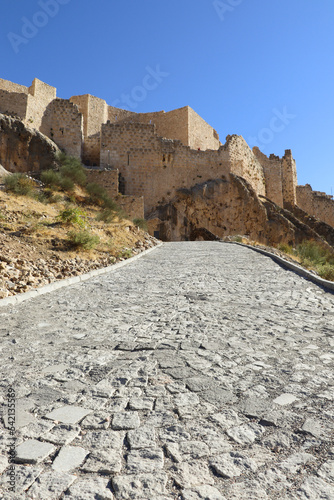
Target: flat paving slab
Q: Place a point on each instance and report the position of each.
(202, 370)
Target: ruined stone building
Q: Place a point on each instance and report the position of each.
(171, 166)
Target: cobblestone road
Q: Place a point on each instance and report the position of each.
(201, 371)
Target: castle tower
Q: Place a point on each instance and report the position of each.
(289, 180)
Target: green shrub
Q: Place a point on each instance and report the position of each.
(51, 178)
(141, 223)
(83, 239)
(73, 215)
(125, 254)
(72, 168)
(107, 215)
(314, 252)
(99, 195)
(326, 271)
(284, 247)
(66, 184)
(19, 184)
(96, 192)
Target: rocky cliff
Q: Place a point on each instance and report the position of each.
(23, 149)
(230, 206)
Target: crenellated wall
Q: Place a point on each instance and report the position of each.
(156, 168)
(316, 203)
(155, 154)
(280, 175)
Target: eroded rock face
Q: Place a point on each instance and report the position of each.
(229, 206)
(23, 149)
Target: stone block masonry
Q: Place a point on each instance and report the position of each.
(156, 154)
(319, 204)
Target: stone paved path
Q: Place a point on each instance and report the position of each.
(201, 371)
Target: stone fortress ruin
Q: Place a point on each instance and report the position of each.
(153, 159)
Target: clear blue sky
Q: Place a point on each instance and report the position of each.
(259, 68)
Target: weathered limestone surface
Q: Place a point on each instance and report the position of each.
(23, 149)
(230, 206)
(201, 371)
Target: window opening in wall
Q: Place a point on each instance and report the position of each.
(121, 184)
(163, 158)
(157, 234)
(128, 158)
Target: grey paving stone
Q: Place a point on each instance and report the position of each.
(89, 488)
(69, 458)
(285, 399)
(24, 478)
(246, 433)
(101, 440)
(200, 384)
(3, 463)
(204, 492)
(218, 396)
(68, 414)
(326, 471)
(96, 420)
(125, 420)
(294, 462)
(50, 485)
(186, 399)
(226, 419)
(316, 488)
(229, 465)
(174, 433)
(143, 437)
(190, 474)
(103, 462)
(141, 403)
(251, 490)
(61, 434)
(313, 427)
(33, 451)
(145, 460)
(262, 333)
(132, 487)
(160, 418)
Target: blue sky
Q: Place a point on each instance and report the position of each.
(262, 69)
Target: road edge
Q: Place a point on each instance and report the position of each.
(328, 285)
(36, 292)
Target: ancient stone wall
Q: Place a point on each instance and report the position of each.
(182, 124)
(13, 87)
(117, 114)
(244, 163)
(94, 111)
(200, 134)
(39, 97)
(14, 104)
(289, 179)
(272, 169)
(156, 168)
(81, 102)
(106, 178)
(316, 203)
(91, 150)
(133, 206)
(62, 122)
